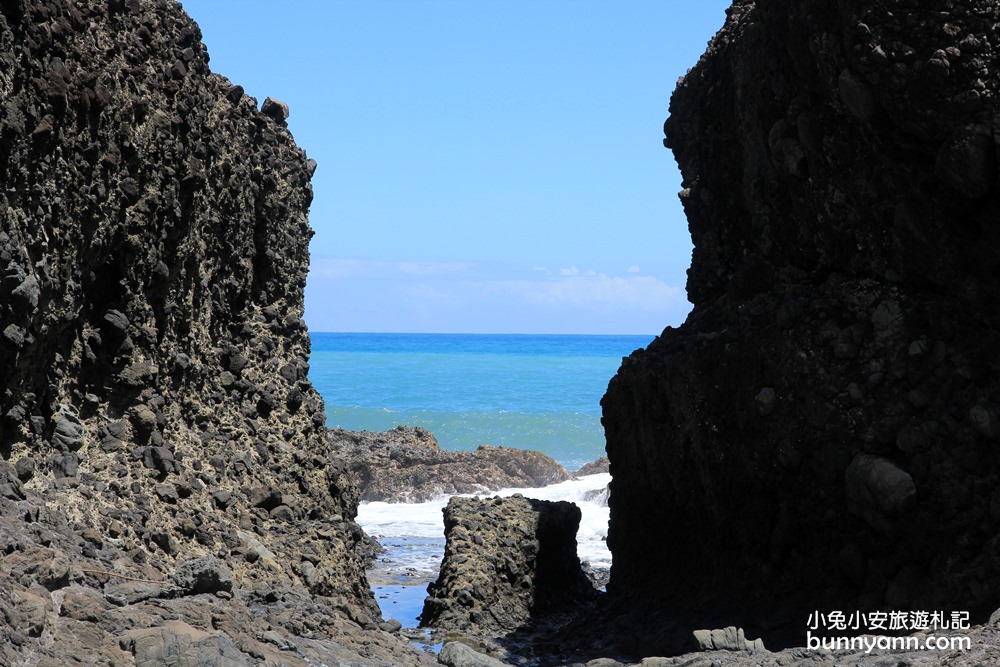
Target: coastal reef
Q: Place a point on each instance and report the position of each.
(406, 464)
(821, 433)
(166, 484)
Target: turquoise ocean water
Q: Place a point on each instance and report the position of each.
(538, 392)
(525, 391)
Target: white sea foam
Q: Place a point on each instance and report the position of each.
(414, 532)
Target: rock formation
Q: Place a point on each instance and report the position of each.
(165, 477)
(508, 563)
(821, 432)
(406, 464)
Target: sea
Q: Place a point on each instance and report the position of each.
(538, 392)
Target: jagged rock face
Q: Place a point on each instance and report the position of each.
(153, 254)
(406, 464)
(508, 563)
(821, 433)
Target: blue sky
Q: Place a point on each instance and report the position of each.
(484, 166)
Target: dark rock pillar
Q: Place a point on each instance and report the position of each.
(821, 433)
(508, 562)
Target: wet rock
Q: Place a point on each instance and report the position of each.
(601, 465)
(406, 464)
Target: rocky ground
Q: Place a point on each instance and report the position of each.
(406, 464)
(819, 434)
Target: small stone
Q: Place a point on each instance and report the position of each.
(282, 513)
(966, 162)
(391, 625)
(766, 400)
(856, 95)
(28, 292)
(167, 493)
(275, 109)
(68, 431)
(222, 498)
(15, 334)
(25, 468)
(457, 654)
(878, 491)
(206, 574)
(117, 320)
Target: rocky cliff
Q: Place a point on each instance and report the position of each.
(159, 439)
(821, 432)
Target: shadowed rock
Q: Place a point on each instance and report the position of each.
(819, 432)
(508, 562)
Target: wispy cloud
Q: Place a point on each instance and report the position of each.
(377, 295)
(592, 290)
(343, 267)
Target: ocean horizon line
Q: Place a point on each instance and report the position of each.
(480, 333)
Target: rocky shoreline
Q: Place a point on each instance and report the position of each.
(820, 432)
(406, 464)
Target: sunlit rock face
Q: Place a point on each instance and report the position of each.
(821, 432)
(155, 409)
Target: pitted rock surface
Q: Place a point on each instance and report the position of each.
(166, 482)
(508, 563)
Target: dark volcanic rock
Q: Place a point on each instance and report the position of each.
(821, 432)
(406, 464)
(508, 562)
(153, 254)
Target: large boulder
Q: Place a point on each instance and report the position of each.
(821, 432)
(508, 562)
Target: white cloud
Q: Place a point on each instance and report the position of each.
(432, 268)
(374, 295)
(597, 291)
(344, 267)
(634, 269)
